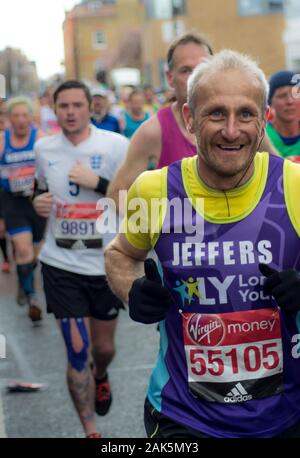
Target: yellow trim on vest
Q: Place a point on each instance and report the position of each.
(163, 210)
(150, 186)
(241, 200)
(291, 184)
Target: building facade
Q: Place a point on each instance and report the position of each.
(100, 35)
(254, 27)
(19, 73)
(292, 34)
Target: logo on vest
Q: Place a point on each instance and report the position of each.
(207, 330)
(237, 394)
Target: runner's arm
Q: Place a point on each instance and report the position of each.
(124, 264)
(38, 191)
(126, 254)
(144, 146)
(84, 176)
(42, 199)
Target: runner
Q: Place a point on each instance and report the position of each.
(228, 364)
(71, 166)
(134, 115)
(284, 130)
(25, 227)
(152, 105)
(48, 119)
(101, 117)
(6, 268)
(164, 138)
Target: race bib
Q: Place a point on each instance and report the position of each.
(75, 226)
(234, 357)
(21, 179)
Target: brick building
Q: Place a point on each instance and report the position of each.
(105, 34)
(100, 35)
(19, 73)
(255, 27)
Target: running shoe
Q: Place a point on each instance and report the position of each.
(34, 312)
(103, 396)
(94, 436)
(6, 267)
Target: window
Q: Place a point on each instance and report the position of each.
(179, 7)
(275, 6)
(172, 29)
(99, 40)
(148, 74)
(162, 74)
(292, 8)
(164, 9)
(260, 7)
(96, 4)
(250, 7)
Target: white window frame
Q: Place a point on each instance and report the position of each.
(96, 43)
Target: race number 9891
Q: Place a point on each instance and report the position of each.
(78, 228)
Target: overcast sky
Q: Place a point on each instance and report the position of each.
(35, 26)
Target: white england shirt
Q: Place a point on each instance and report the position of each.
(73, 242)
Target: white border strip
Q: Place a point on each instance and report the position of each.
(2, 424)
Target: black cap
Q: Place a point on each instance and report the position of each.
(280, 79)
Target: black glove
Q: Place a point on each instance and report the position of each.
(283, 286)
(149, 300)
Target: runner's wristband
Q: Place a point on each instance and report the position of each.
(102, 186)
(37, 191)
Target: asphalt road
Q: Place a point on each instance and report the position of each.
(36, 354)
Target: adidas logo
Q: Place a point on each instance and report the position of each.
(237, 394)
(78, 245)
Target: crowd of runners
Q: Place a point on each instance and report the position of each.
(215, 264)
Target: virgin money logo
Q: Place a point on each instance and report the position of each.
(206, 330)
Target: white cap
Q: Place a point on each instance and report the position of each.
(101, 91)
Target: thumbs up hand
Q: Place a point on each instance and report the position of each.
(283, 286)
(149, 301)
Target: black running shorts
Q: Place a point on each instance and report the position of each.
(1, 197)
(71, 295)
(20, 216)
(160, 426)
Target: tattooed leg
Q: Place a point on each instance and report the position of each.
(79, 376)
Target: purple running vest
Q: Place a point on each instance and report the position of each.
(230, 355)
(174, 146)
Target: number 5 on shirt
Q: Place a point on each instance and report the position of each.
(74, 189)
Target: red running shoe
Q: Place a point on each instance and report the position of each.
(6, 267)
(94, 436)
(103, 396)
